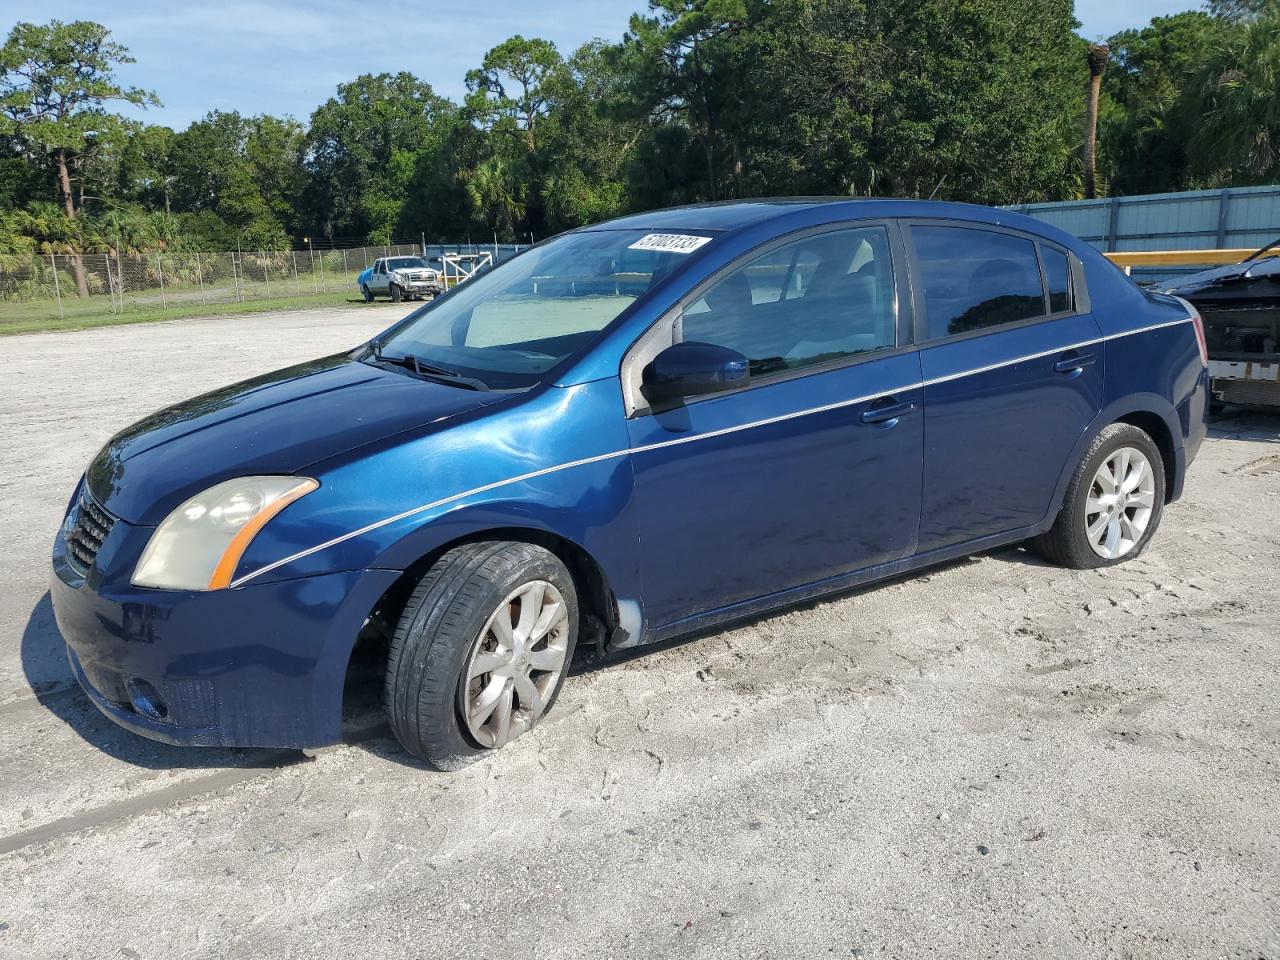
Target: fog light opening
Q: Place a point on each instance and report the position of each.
(146, 701)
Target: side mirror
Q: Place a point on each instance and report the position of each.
(691, 369)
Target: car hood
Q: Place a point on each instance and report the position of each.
(1228, 276)
(279, 423)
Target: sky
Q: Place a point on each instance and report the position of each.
(287, 57)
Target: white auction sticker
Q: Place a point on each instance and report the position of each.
(669, 242)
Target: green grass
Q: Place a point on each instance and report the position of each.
(11, 323)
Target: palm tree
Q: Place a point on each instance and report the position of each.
(1237, 101)
(497, 195)
(1098, 55)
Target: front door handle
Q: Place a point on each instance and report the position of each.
(887, 411)
(1072, 364)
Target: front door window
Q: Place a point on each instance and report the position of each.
(822, 298)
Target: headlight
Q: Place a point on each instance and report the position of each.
(199, 545)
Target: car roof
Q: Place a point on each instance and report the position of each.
(730, 215)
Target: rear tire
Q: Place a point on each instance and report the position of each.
(1102, 522)
(447, 657)
(366, 292)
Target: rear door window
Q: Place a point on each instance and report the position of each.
(976, 279)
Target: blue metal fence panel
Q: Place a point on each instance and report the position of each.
(1245, 217)
(501, 251)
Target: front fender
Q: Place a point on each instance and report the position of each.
(554, 461)
(613, 554)
(589, 506)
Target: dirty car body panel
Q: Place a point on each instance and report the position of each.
(842, 459)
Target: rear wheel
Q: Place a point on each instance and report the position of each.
(1113, 503)
(367, 293)
(481, 651)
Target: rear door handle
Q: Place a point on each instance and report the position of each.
(1072, 364)
(889, 411)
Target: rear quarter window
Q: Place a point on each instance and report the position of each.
(975, 279)
(1057, 273)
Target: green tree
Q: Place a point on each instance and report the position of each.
(1236, 99)
(796, 95)
(55, 81)
(975, 99)
(672, 57)
(24, 178)
(245, 170)
(511, 89)
(1146, 124)
(589, 140)
(362, 152)
(436, 200)
(1242, 9)
(497, 195)
(897, 97)
(145, 170)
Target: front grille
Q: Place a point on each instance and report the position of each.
(89, 526)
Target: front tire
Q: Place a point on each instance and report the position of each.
(481, 651)
(1113, 504)
(396, 295)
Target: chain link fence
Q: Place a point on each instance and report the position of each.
(95, 286)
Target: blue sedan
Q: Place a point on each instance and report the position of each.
(628, 433)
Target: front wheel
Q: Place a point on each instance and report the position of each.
(1113, 503)
(396, 295)
(481, 651)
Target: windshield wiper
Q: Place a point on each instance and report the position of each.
(1261, 250)
(429, 371)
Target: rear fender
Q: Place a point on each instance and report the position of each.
(1149, 403)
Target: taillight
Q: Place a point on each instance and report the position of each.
(1197, 321)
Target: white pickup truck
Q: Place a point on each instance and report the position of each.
(400, 278)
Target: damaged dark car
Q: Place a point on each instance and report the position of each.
(1240, 304)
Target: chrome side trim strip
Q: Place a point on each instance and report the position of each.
(378, 524)
(825, 408)
(1044, 353)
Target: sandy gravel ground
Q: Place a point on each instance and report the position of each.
(996, 759)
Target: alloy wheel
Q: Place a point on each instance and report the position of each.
(1120, 503)
(515, 664)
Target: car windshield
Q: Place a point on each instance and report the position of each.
(510, 325)
(406, 263)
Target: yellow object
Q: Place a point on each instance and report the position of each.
(1176, 258)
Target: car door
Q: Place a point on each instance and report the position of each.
(1013, 375)
(812, 469)
(378, 282)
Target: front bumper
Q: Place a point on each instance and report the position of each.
(420, 286)
(259, 666)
